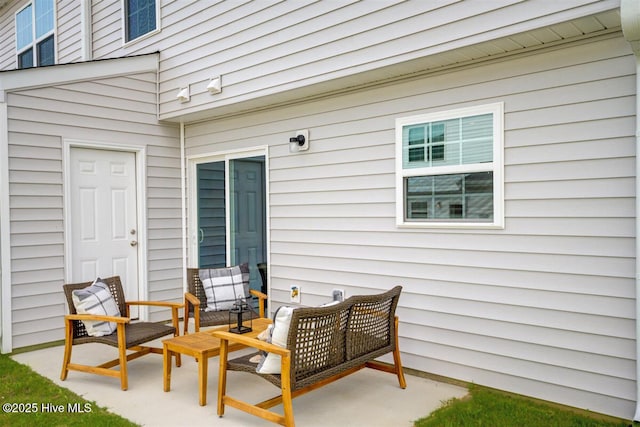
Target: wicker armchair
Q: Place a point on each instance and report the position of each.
(324, 344)
(195, 303)
(128, 335)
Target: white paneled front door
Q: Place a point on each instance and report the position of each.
(104, 217)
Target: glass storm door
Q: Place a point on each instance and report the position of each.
(212, 230)
(232, 214)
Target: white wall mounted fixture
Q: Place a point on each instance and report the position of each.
(215, 85)
(295, 294)
(183, 94)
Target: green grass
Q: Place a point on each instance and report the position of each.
(29, 399)
(490, 408)
(33, 398)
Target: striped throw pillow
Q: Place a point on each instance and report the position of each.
(96, 299)
(224, 286)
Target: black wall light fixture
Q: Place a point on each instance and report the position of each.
(300, 142)
(300, 139)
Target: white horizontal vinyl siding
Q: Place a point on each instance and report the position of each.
(68, 31)
(118, 110)
(269, 47)
(106, 23)
(8, 34)
(545, 307)
(264, 48)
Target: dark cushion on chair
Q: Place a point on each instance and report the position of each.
(137, 333)
(214, 318)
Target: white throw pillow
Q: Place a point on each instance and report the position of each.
(281, 323)
(96, 299)
(224, 286)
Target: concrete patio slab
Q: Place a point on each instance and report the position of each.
(368, 398)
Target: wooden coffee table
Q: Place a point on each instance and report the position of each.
(202, 346)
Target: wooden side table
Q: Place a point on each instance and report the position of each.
(202, 346)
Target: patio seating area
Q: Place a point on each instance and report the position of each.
(323, 345)
(366, 398)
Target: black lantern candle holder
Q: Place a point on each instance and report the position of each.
(236, 316)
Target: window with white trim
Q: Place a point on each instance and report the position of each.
(140, 18)
(35, 39)
(449, 168)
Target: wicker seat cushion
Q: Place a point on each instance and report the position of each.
(246, 364)
(96, 299)
(224, 286)
(216, 318)
(136, 333)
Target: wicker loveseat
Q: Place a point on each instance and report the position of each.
(324, 344)
(195, 303)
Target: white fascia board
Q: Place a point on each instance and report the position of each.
(6, 305)
(630, 19)
(75, 72)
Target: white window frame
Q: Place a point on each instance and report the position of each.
(36, 40)
(126, 42)
(496, 166)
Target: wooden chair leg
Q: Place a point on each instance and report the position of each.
(176, 326)
(196, 318)
(68, 343)
(175, 321)
(122, 349)
(396, 359)
(185, 329)
(287, 403)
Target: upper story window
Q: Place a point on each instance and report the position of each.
(449, 168)
(35, 39)
(140, 18)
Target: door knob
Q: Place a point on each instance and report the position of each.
(133, 243)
